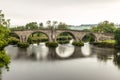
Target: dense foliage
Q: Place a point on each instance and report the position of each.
(3, 44)
(79, 44)
(117, 36)
(64, 38)
(37, 37)
(4, 31)
(13, 40)
(88, 38)
(63, 42)
(23, 44)
(52, 44)
(104, 27)
(4, 59)
(32, 40)
(35, 25)
(62, 26)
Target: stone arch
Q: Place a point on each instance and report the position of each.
(95, 37)
(49, 38)
(72, 34)
(17, 35)
(13, 33)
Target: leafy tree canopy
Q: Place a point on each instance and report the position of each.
(104, 27)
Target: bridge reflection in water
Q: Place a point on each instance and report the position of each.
(66, 51)
(42, 63)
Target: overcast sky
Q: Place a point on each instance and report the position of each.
(74, 12)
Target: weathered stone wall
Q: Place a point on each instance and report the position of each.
(52, 35)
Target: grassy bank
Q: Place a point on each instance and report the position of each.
(105, 44)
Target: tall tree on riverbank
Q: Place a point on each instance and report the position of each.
(104, 27)
(3, 21)
(62, 26)
(32, 25)
(4, 31)
(41, 26)
(117, 36)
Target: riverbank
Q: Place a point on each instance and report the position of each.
(105, 44)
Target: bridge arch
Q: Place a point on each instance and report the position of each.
(13, 34)
(89, 35)
(70, 33)
(43, 33)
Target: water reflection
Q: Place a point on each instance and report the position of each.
(41, 52)
(65, 51)
(86, 49)
(103, 54)
(116, 59)
(0, 74)
(83, 64)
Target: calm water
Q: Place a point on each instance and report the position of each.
(66, 62)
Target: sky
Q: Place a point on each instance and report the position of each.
(72, 12)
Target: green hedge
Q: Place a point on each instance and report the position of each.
(23, 44)
(52, 44)
(79, 44)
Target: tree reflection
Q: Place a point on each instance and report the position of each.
(116, 60)
(103, 58)
(0, 74)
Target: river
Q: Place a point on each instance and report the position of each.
(66, 62)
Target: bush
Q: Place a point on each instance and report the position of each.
(117, 36)
(13, 40)
(79, 44)
(4, 59)
(23, 44)
(64, 38)
(37, 39)
(3, 44)
(52, 44)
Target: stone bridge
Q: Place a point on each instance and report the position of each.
(52, 35)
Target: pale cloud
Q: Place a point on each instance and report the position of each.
(69, 11)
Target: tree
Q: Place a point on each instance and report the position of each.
(32, 25)
(4, 22)
(117, 36)
(41, 25)
(4, 31)
(48, 24)
(104, 27)
(62, 26)
(54, 24)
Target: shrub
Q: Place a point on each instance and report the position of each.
(4, 59)
(64, 38)
(52, 44)
(13, 40)
(37, 39)
(23, 44)
(79, 44)
(117, 37)
(3, 44)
